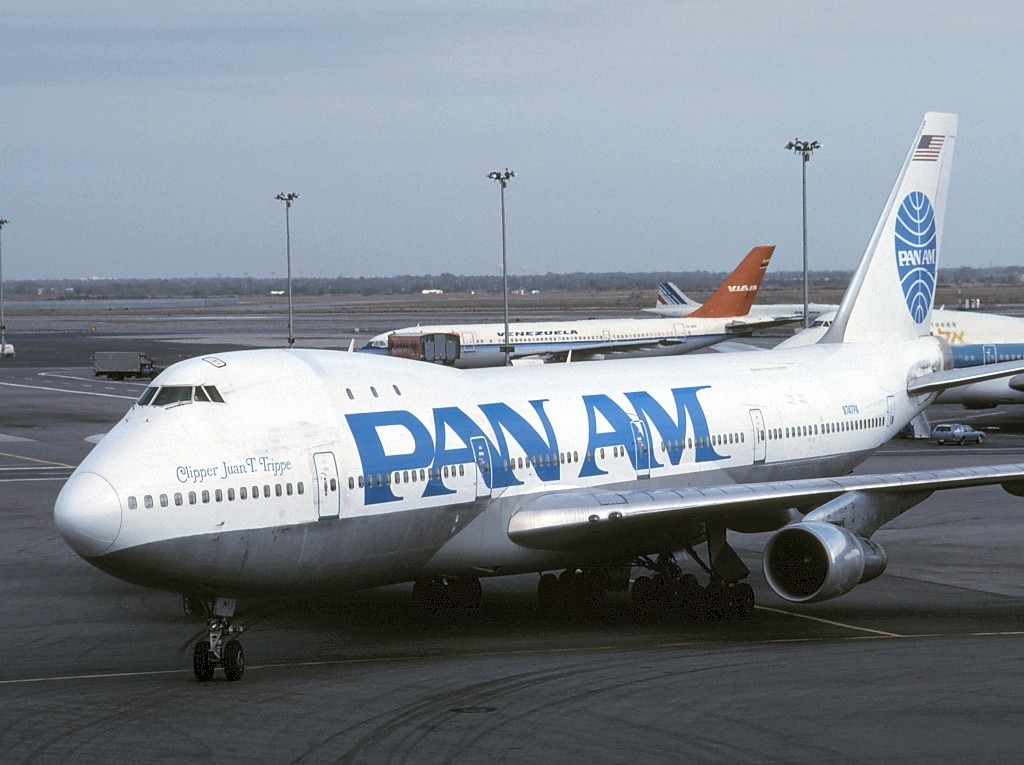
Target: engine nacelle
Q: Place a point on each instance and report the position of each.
(812, 561)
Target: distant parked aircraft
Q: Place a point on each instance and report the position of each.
(723, 317)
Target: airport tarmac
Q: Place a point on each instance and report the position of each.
(924, 664)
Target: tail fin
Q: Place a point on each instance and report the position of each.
(890, 296)
(670, 296)
(736, 294)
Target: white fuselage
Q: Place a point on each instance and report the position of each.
(326, 470)
(482, 344)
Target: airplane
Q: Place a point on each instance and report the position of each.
(974, 338)
(467, 346)
(672, 301)
(287, 472)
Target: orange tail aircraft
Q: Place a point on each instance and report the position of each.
(736, 294)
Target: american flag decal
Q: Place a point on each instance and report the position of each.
(928, 148)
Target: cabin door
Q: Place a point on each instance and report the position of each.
(641, 448)
(760, 440)
(484, 474)
(890, 409)
(328, 498)
(990, 353)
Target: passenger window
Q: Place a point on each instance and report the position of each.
(277, 490)
(288, 488)
(351, 395)
(255, 492)
(132, 503)
(231, 495)
(334, 484)
(178, 499)
(147, 501)
(163, 500)
(243, 493)
(206, 496)
(300, 488)
(218, 495)
(266, 490)
(191, 497)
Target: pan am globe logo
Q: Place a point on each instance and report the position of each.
(916, 253)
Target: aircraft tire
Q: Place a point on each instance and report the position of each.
(742, 596)
(202, 664)
(234, 660)
(547, 593)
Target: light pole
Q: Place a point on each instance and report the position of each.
(503, 179)
(805, 149)
(288, 199)
(3, 325)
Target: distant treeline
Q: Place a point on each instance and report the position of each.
(409, 284)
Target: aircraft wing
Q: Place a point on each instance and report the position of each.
(595, 349)
(952, 378)
(735, 347)
(571, 519)
(747, 324)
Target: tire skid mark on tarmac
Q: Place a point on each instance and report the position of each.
(420, 657)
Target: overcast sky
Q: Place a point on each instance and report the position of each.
(150, 138)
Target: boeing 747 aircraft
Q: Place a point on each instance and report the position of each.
(287, 472)
(723, 317)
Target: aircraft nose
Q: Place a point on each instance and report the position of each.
(88, 514)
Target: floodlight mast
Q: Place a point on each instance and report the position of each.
(805, 149)
(288, 199)
(503, 178)
(3, 323)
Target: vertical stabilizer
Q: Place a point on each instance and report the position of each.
(670, 296)
(890, 296)
(736, 294)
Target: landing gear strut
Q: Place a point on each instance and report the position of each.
(220, 648)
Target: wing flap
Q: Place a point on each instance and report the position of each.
(570, 519)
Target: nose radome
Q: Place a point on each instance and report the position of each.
(88, 514)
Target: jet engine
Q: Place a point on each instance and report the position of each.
(812, 561)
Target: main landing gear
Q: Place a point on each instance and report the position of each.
(441, 596)
(667, 593)
(220, 648)
(670, 592)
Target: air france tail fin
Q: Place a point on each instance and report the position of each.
(736, 294)
(670, 296)
(890, 296)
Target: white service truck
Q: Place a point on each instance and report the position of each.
(118, 365)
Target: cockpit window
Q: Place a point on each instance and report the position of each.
(173, 394)
(147, 396)
(167, 395)
(214, 394)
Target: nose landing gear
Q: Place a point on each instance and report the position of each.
(220, 648)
